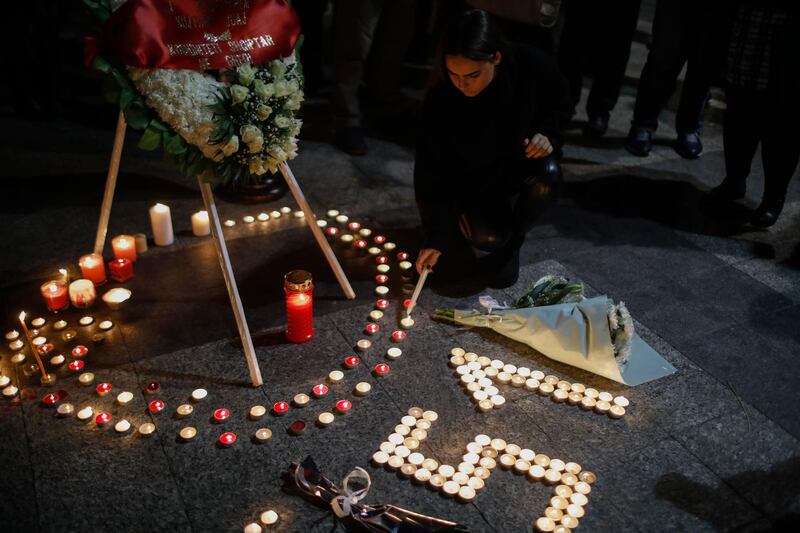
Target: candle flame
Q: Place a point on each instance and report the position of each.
(22, 316)
(62, 271)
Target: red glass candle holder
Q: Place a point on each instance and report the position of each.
(55, 294)
(121, 269)
(93, 269)
(299, 289)
(124, 247)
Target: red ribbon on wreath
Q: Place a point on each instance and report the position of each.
(200, 34)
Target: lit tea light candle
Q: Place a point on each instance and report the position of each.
(346, 238)
(398, 336)
(352, 361)
(105, 325)
(38, 322)
(325, 418)
(591, 393)
(402, 256)
(363, 345)
(375, 315)
(381, 290)
(574, 398)
(319, 390)
(65, 409)
(381, 279)
(248, 219)
(275, 214)
(16, 345)
(121, 269)
(102, 418)
(229, 223)
(297, 427)
(49, 400)
(156, 406)
(381, 259)
(152, 387)
(103, 389)
(322, 223)
(371, 329)
(383, 269)
(301, 400)
(382, 304)
(616, 411)
(12, 335)
(407, 322)
(365, 232)
(123, 426)
(199, 395)
(405, 266)
(621, 401)
(92, 269)
(333, 213)
(69, 335)
(124, 247)
(39, 341)
(389, 246)
(187, 433)
(406, 303)
(227, 438)
(221, 415)
(336, 376)
(86, 320)
(559, 395)
(59, 325)
(286, 210)
(354, 226)
(332, 232)
(602, 407)
(147, 429)
(373, 250)
(85, 413)
(184, 410)
(87, 378)
(161, 223)
(10, 391)
(141, 242)
(363, 388)
(263, 435)
(45, 349)
(257, 411)
(124, 398)
(360, 244)
(79, 351)
(381, 369)
(545, 524)
(379, 239)
(4, 380)
(280, 408)
(587, 403)
(394, 353)
(344, 406)
(76, 366)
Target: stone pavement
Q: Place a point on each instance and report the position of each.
(713, 447)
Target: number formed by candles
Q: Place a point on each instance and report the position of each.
(481, 377)
(484, 454)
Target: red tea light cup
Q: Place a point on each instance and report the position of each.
(280, 408)
(320, 390)
(343, 406)
(221, 415)
(152, 388)
(402, 256)
(156, 406)
(332, 232)
(121, 269)
(398, 335)
(79, 351)
(371, 329)
(406, 302)
(227, 438)
(124, 247)
(51, 399)
(381, 279)
(382, 259)
(354, 226)
(45, 349)
(361, 244)
(381, 369)
(76, 366)
(103, 418)
(382, 304)
(351, 361)
(103, 389)
(379, 239)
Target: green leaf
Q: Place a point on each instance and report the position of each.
(151, 139)
(126, 97)
(175, 145)
(101, 64)
(137, 115)
(110, 90)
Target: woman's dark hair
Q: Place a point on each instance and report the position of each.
(475, 35)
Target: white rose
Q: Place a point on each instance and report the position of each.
(282, 121)
(263, 112)
(246, 74)
(238, 94)
(250, 133)
(278, 69)
(263, 90)
(231, 146)
(256, 166)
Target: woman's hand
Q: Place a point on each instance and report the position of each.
(427, 257)
(538, 146)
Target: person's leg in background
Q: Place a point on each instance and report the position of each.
(612, 49)
(574, 46)
(312, 13)
(657, 82)
(354, 26)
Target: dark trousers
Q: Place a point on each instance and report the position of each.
(762, 116)
(596, 41)
(490, 222)
(682, 30)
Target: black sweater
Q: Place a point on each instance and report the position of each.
(472, 146)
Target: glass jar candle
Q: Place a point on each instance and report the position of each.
(93, 269)
(124, 247)
(82, 293)
(299, 289)
(55, 294)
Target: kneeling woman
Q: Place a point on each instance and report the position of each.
(485, 164)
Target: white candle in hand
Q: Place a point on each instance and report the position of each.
(161, 220)
(200, 225)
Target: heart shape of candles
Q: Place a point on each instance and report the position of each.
(381, 369)
(220, 415)
(79, 351)
(351, 361)
(280, 408)
(76, 366)
(156, 406)
(321, 390)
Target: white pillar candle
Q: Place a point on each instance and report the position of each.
(161, 221)
(200, 225)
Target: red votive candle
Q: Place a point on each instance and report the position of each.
(343, 406)
(227, 438)
(124, 247)
(331, 232)
(381, 369)
(76, 366)
(398, 335)
(320, 390)
(382, 304)
(50, 399)
(354, 226)
(280, 408)
(299, 290)
(382, 259)
(371, 329)
(79, 351)
(103, 418)
(221, 415)
(156, 406)
(379, 239)
(92, 268)
(361, 244)
(55, 294)
(402, 256)
(121, 269)
(351, 361)
(381, 279)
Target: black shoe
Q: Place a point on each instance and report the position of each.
(689, 145)
(727, 191)
(507, 274)
(767, 213)
(596, 126)
(351, 140)
(639, 141)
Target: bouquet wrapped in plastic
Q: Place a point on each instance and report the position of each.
(345, 502)
(557, 320)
